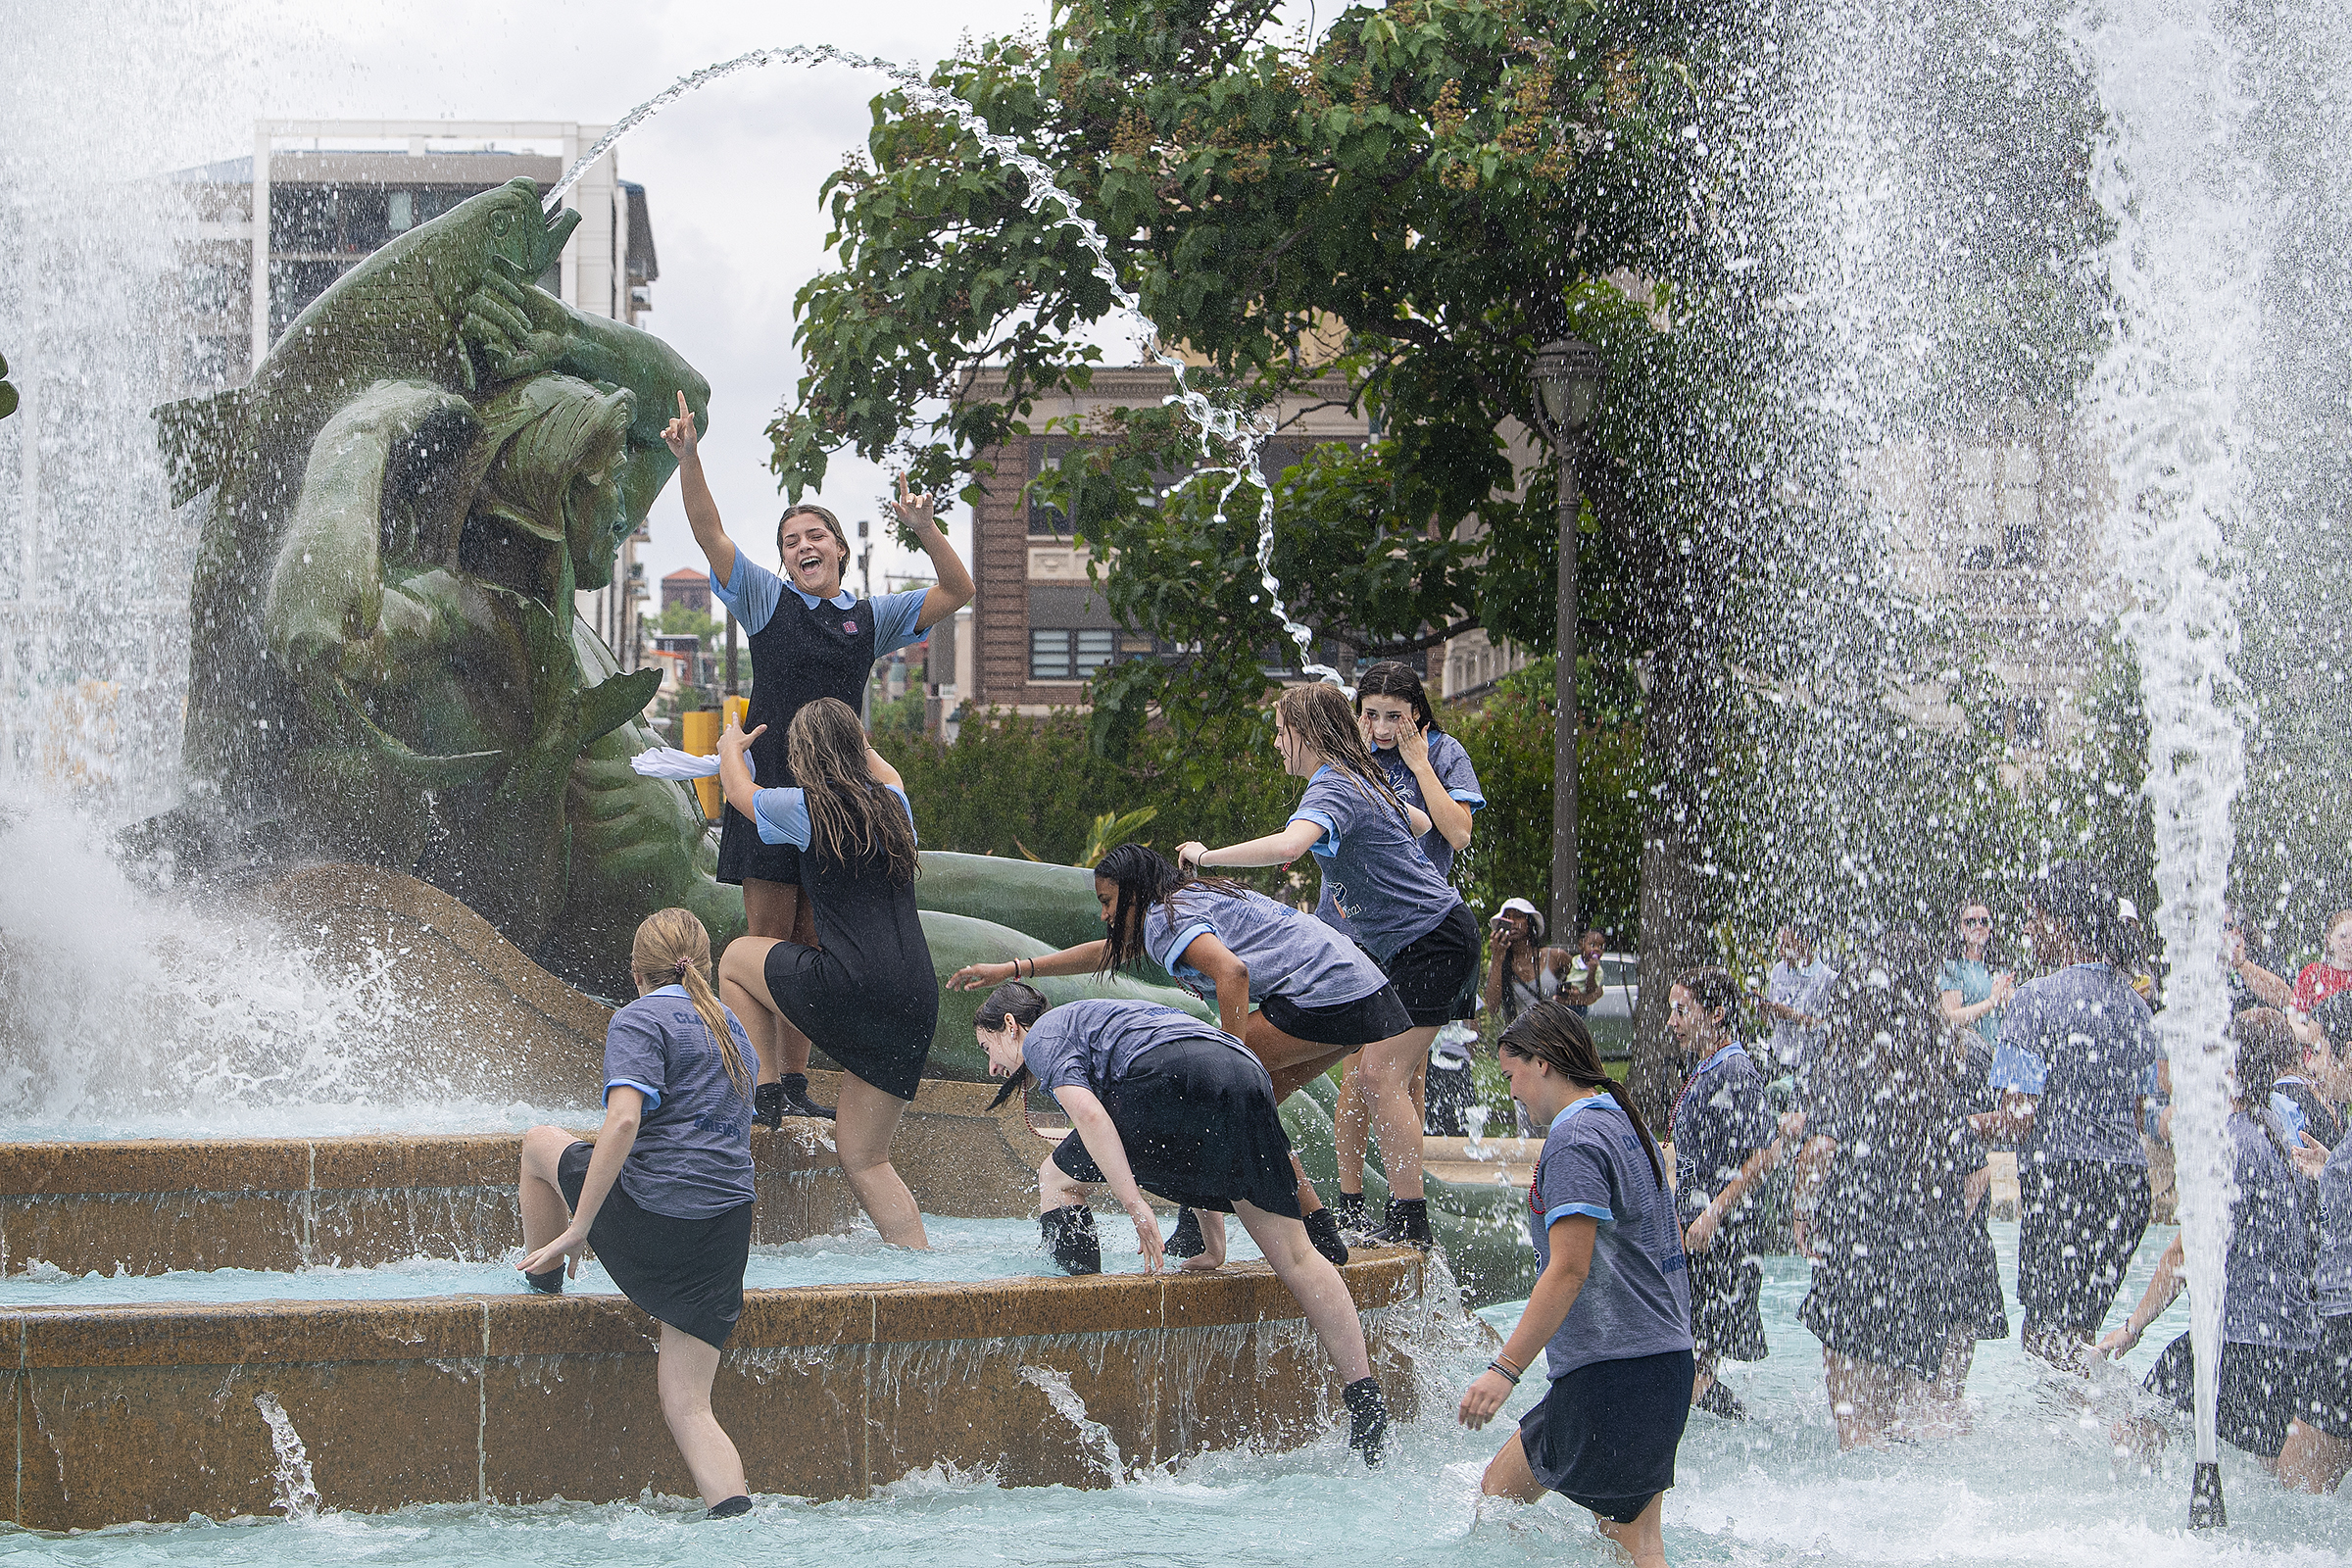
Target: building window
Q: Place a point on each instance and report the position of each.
(1056, 654)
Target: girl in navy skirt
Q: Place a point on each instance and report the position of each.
(664, 1196)
(1317, 999)
(1158, 1099)
(1610, 1312)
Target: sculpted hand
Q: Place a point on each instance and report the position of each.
(497, 326)
(679, 434)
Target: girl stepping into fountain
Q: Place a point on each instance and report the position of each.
(1318, 998)
(2076, 1067)
(867, 993)
(809, 638)
(1158, 1099)
(1610, 1312)
(664, 1195)
(1406, 916)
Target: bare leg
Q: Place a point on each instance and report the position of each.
(863, 1126)
(1386, 1069)
(777, 911)
(1942, 1400)
(1704, 1378)
(1642, 1540)
(1292, 1063)
(1508, 1476)
(544, 1214)
(2312, 1460)
(1212, 1237)
(743, 987)
(1421, 1091)
(1862, 1397)
(684, 1372)
(1314, 1283)
(1352, 1126)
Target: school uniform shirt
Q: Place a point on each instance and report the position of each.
(2318, 981)
(1091, 1044)
(1287, 953)
(782, 816)
(753, 592)
(692, 1154)
(1375, 872)
(2267, 1293)
(1636, 1301)
(2301, 1108)
(1449, 760)
(1720, 1119)
(2331, 1278)
(1807, 990)
(2082, 1040)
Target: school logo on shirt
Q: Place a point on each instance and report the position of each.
(848, 625)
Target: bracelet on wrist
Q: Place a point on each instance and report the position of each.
(1496, 1367)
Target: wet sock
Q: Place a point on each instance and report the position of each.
(1324, 1230)
(734, 1508)
(795, 1099)
(1408, 1224)
(1186, 1239)
(1349, 1210)
(768, 1105)
(1721, 1402)
(552, 1282)
(1367, 1418)
(1070, 1234)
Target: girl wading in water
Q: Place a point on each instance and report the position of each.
(1611, 1311)
(1318, 998)
(867, 993)
(1158, 1099)
(1406, 916)
(664, 1196)
(809, 638)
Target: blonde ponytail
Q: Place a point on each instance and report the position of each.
(673, 949)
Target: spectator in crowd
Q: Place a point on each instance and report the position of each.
(2243, 946)
(1795, 996)
(2331, 971)
(1972, 995)
(1526, 972)
(2310, 1097)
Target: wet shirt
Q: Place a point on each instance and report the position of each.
(2267, 1295)
(1091, 1044)
(1636, 1301)
(1375, 875)
(1290, 955)
(692, 1154)
(1807, 990)
(752, 593)
(1451, 762)
(2302, 1109)
(782, 816)
(1720, 1119)
(2080, 1040)
(2332, 1280)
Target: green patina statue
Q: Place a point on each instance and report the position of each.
(8, 394)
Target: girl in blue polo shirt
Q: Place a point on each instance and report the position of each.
(1404, 912)
(1611, 1309)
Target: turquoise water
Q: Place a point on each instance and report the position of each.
(2035, 1483)
(961, 1250)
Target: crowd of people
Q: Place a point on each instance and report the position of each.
(1883, 1084)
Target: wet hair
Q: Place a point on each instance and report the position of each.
(820, 513)
(851, 813)
(1389, 678)
(1020, 1002)
(1958, 947)
(672, 948)
(1324, 722)
(2078, 897)
(1714, 991)
(1145, 877)
(2266, 1051)
(1551, 1033)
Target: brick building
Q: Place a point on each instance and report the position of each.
(688, 587)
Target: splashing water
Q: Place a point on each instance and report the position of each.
(2184, 265)
(1102, 1449)
(1224, 431)
(297, 1493)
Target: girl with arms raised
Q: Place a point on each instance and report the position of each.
(867, 993)
(1406, 915)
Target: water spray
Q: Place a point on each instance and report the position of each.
(1222, 429)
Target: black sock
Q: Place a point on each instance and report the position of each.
(768, 1105)
(1324, 1230)
(734, 1508)
(1070, 1234)
(1186, 1239)
(552, 1282)
(796, 1083)
(1349, 1207)
(1407, 1221)
(1367, 1418)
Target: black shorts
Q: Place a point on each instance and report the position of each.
(742, 854)
(2079, 1223)
(2261, 1388)
(1351, 1024)
(1435, 971)
(1726, 1291)
(687, 1273)
(1197, 1122)
(1604, 1435)
(2326, 1403)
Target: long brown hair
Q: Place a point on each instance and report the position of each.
(822, 514)
(1551, 1032)
(850, 814)
(1389, 678)
(1013, 1002)
(1324, 722)
(1145, 877)
(672, 948)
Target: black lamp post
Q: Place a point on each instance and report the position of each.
(1567, 377)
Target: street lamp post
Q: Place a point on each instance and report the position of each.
(1567, 377)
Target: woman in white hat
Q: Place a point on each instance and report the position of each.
(1526, 972)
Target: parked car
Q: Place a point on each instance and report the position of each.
(1611, 1018)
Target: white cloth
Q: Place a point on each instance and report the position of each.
(668, 762)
